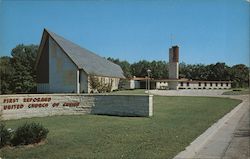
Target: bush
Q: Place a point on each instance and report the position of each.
(5, 135)
(237, 90)
(97, 85)
(29, 134)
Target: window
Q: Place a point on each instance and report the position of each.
(187, 83)
(181, 83)
(211, 84)
(79, 77)
(221, 84)
(227, 84)
(216, 84)
(205, 84)
(199, 84)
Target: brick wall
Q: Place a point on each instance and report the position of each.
(40, 105)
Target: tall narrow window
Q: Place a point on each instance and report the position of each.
(199, 84)
(211, 84)
(216, 84)
(221, 84)
(205, 84)
(181, 83)
(187, 83)
(79, 76)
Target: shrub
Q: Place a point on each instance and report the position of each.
(5, 135)
(236, 89)
(29, 134)
(99, 86)
(1, 113)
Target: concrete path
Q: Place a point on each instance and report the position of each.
(229, 138)
(225, 143)
(239, 146)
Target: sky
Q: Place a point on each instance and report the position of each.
(206, 31)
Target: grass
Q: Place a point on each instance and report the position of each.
(239, 91)
(177, 121)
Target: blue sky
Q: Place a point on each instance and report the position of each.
(206, 31)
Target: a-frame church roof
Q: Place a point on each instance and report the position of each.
(90, 62)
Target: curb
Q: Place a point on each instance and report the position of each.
(191, 150)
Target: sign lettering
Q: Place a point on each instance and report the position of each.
(34, 103)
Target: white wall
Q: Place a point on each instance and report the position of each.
(173, 85)
(195, 85)
(62, 71)
(40, 105)
(173, 70)
(84, 83)
(131, 84)
(115, 83)
(161, 85)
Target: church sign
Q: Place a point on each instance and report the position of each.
(36, 102)
(41, 105)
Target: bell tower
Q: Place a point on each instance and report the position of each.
(173, 67)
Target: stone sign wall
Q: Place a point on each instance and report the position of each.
(40, 105)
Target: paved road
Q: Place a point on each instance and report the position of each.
(229, 138)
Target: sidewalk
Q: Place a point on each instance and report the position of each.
(225, 143)
(229, 138)
(239, 146)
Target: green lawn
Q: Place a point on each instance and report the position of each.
(177, 121)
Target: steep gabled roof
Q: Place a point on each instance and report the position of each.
(84, 59)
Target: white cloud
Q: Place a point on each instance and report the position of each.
(248, 1)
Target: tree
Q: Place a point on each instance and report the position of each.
(140, 68)
(159, 69)
(6, 73)
(125, 65)
(23, 62)
(126, 68)
(239, 75)
(218, 71)
(195, 72)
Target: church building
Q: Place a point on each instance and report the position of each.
(65, 67)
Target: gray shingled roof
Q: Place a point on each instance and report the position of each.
(90, 62)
